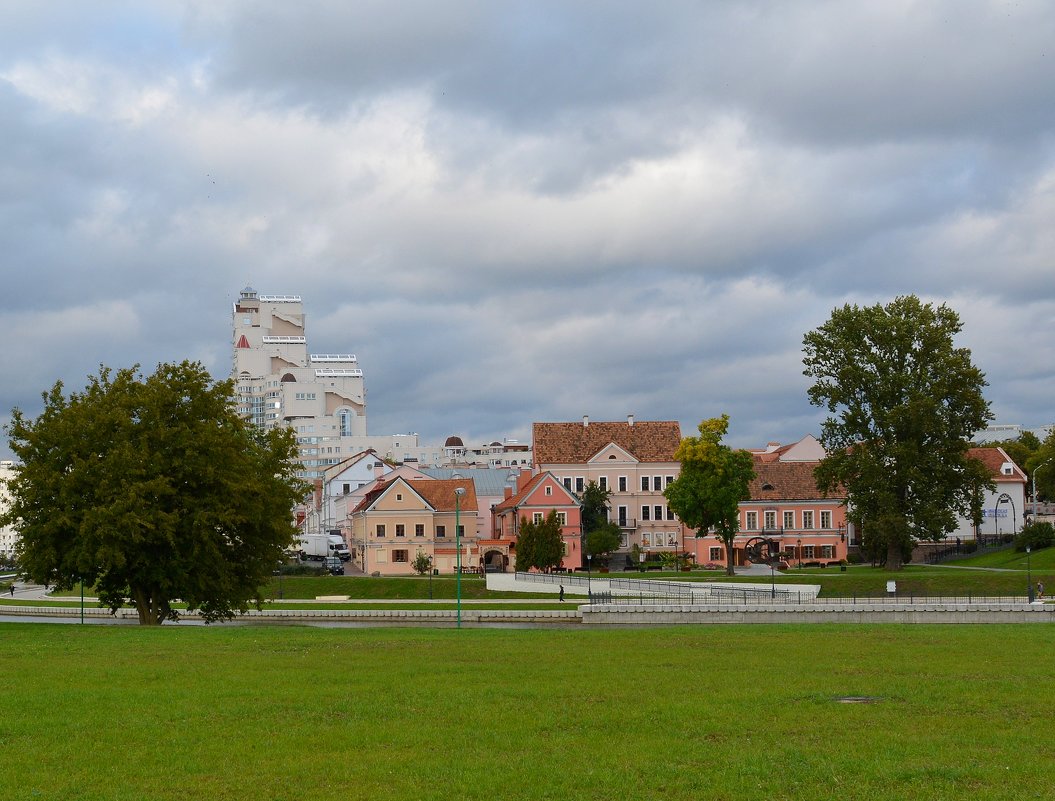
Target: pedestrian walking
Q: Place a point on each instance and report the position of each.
(562, 593)
(12, 588)
(1040, 590)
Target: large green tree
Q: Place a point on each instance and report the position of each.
(714, 479)
(602, 537)
(903, 404)
(1041, 468)
(540, 544)
(152, 489)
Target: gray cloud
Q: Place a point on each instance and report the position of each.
(527, 211)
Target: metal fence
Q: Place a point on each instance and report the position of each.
(958, 549)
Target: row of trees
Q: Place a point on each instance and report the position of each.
(154, 489)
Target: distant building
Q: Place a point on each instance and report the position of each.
(398, 519)
(998, 516)
(787, 508)
(8, 536)
(1004, 431)
(633, 459)
(277, 382)
(532, 499)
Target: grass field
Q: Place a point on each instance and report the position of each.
(671, 713)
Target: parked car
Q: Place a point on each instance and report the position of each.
(334, 565)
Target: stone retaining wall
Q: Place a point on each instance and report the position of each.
(616, 615)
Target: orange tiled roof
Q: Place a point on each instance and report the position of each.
(574, 443)
(527, 489)
(993, 459)
(788, 481)
(438, 493)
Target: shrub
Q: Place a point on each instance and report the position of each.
(968, 546)
(295, 569)
(854, 558)
(1036, 536)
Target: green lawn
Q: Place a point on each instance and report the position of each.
(858, 580)
(670, 713)
(1044, 559)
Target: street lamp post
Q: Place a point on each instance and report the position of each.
(458, 493)
(589, 577)
(1029, 578)
(1035, 471)
(798, 551)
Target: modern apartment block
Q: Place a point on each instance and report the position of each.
(278, 382)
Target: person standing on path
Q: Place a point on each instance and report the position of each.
(562, 593)
(1040, 590)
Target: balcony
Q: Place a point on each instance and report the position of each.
(626, 523)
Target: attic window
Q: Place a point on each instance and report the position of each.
(1007, 469)
(766, 485)
(611, 456)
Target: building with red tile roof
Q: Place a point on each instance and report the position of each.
(533, 500)
(398, 519)
(633, 459)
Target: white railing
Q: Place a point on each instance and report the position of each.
(285, 340)
(280, 298)
(330, 372)
(333, 357)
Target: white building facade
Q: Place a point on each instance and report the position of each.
(321, 396)
(8, 536)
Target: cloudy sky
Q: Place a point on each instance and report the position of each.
(521, 211)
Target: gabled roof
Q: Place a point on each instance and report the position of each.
(994, 459)
(576, 443)
(787, 481)
(519, 498)
(335, 470)
(437, 493)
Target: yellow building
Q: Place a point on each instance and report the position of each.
(399, 519)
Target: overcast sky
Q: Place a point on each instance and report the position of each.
(527, 211)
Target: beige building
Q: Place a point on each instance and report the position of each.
(635, 460)
(400, 518)
(8, 536)
(277, 382)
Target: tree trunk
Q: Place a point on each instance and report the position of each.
(729, 571)
(893, 554)
(149, 611)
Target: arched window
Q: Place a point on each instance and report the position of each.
(345, 417)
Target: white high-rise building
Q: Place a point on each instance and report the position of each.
(8, 535)
(277, 382)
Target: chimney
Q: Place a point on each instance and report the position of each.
(507, 492)
(585, 421)
(630, 420)
(379, 469)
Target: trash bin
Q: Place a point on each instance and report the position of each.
(842, 568)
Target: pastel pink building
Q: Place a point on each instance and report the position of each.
(534, 498)
(787, 508)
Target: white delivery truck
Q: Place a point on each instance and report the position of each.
(317, 547)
